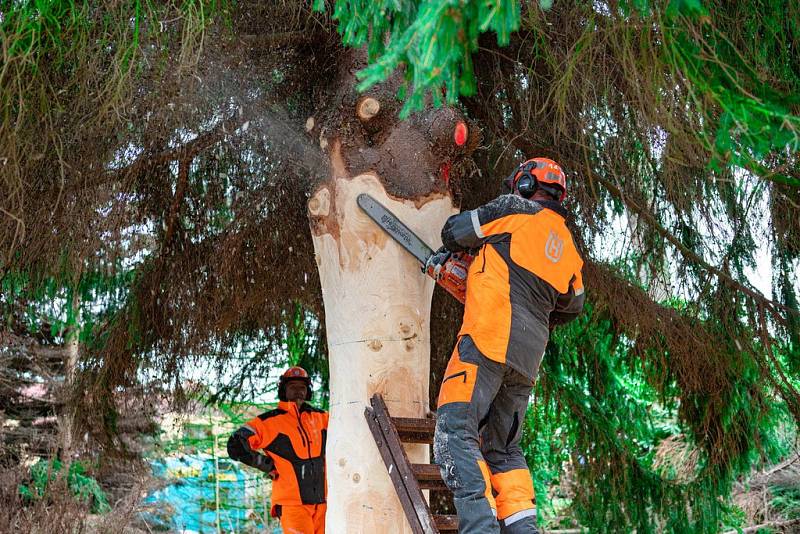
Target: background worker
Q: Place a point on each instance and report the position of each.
(292, 440)
(525, 279)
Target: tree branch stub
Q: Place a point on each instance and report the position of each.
(367, 108)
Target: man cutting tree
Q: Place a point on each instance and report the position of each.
(525, 279)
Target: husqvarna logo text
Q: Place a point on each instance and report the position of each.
(554, 247)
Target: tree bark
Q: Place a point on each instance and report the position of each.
(66, 419)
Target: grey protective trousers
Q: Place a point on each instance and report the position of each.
(481, 409)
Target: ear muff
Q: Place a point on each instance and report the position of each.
(282, 389)
(526, 183)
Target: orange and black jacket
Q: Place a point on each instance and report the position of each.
(293, 442)
(525, 279)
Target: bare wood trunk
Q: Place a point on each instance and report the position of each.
(377, 309)
(66, 420)
(377, 302)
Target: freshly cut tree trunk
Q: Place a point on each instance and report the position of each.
(377, 301)
(377, 310)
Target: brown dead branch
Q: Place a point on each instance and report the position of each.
(177, 199)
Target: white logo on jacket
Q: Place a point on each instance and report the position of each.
(554, 247)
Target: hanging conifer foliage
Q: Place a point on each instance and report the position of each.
(163, 155)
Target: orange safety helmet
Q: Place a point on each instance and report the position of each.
(293, 373)
(530, 174)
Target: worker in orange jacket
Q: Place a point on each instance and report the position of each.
(525, 279)
(292, 439)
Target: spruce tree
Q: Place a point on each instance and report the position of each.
(171, 142)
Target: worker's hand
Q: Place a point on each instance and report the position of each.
(273, 474)
(265, 464)
(435, 262)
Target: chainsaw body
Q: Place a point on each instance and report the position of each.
(452, 276)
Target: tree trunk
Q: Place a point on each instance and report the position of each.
(377, 309)
(377, 302)
(66, 420)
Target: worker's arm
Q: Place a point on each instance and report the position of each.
(471, 229)
(570, 304)
(240, 447)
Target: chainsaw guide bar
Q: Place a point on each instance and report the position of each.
(393, 226)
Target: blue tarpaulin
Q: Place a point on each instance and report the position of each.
(188, 504)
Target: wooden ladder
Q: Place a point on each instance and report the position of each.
(409, 479)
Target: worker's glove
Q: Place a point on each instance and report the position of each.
(264, 463)
(473, 251)
(437, 260)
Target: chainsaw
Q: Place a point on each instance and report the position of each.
(452, 276)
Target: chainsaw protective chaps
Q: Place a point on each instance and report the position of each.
(481, 407)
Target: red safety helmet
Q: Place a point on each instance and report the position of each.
(532, 173)
(293, 373)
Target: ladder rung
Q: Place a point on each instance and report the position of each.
(446, 523)
(426, 471)
(436, 485)
(412, 430)
(428, 476)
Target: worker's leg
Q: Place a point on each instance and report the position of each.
(297, 519)
(468, 387)
(319, 517)
(511, 480)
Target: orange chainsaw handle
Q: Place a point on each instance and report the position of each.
(452, 275)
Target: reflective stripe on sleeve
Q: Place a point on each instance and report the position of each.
(476, 225)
